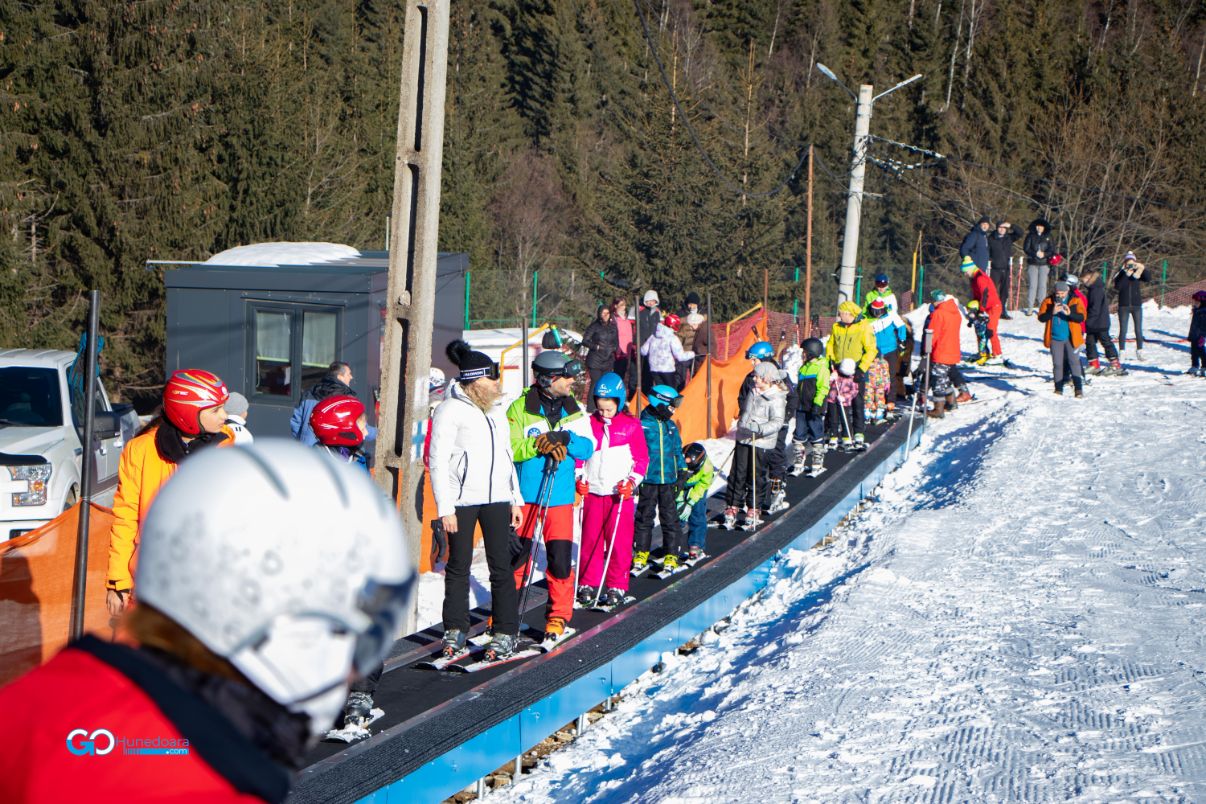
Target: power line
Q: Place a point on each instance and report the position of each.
(736, 189)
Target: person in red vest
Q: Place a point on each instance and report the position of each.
(268, 573)
(985, 292)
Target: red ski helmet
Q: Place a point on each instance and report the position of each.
(672, 321)
(1056, 260)
(333, 421)
(187, 393)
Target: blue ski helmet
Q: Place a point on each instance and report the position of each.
(762, 350)
(664, 395)
(881, 279)
(610, 386)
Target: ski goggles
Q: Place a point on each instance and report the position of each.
(490, 372)
(572, 368)
(673, 402)
(385, 606)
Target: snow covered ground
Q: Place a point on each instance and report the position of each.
(1020, 615)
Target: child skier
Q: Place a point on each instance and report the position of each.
(607, 482)
(659, 489)
(757, 432)
(977, 319)
(843, 394)
(694, 507)
(813, 389)
(340, 425)
(890, 334)
(1197, 335)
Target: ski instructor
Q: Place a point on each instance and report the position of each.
(547, 426)
(237, 671)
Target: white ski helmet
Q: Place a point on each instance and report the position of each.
(287, 564)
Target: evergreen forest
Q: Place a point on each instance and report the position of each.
(602, 143)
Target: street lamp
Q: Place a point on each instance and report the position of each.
(858, 170)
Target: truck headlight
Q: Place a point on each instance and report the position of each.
(38, 478)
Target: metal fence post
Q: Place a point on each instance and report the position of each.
(1163, 280)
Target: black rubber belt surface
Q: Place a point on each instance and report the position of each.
(424, 718)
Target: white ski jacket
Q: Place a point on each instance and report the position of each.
(763, 417)
(470, 456)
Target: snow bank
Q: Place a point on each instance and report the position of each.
(301, 253)
(1019, 616)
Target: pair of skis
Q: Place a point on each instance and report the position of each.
(526, 648)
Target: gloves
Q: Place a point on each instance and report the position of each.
(624, 488)
(581, 486)
(547, 444)
(685, 513)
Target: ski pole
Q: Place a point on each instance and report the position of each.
(578, 542)
(542, 509)
(845, 421)
(615, 529)
(754, 470)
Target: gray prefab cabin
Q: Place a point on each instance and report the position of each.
(271, 330)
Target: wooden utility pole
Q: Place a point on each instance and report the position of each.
(808, 255)
(410, 291)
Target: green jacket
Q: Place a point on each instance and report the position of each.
(814, 381)
(697, 485)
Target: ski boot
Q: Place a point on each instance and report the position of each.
(753, 519)
(612, 598)
(358, 711)
(1139, 355)
(847, 444)
(1116, 369)
(797, 466)
(587, 594)
(982, 359)
(891, 414)
(455, 641)
(1095, 368)
(640, 560)
(670, 562)
(937, 411)
(554, 629)
(694, 553)
(964, 396)
(860, 442)
(816, 461)
(778, 497)
(501, 647)
(831, 443)
(730, 522)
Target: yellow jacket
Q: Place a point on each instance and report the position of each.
(140, 474)
(855, 341)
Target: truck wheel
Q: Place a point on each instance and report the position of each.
(73, 496)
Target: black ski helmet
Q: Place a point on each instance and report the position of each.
(813, 347)
(551, 364)
(694, 454)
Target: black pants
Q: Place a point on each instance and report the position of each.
(777, 460)
(957, 378)
(750, 473)
(1125, 315)
(659, 498)
(495, 520)
(367, 683)
(1093, 338)
(840, 420)
(1000, 278)
(664, 378)
(1197, 356)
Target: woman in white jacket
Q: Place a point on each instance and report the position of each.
(474, 483)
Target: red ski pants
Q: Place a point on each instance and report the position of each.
(559, 554)
(598, 524)
(994, 323)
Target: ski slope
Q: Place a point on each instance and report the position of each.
(1019, 615)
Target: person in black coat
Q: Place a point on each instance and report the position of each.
(1097, 325)
(1000, 254)
(602, 339)
(1130, 300)
(975, 244)
(1038, 248)
(1197, 335)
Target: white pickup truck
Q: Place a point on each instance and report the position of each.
(41, 439)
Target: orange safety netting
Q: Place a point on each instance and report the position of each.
(36, 572)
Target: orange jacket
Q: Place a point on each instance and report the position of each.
(946, 323)
(140, 474)
(1076, 320)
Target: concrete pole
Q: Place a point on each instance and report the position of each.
(854, 199)
(410, 293)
